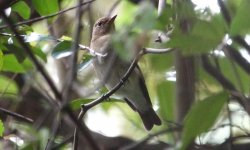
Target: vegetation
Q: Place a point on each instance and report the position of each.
(196, 65)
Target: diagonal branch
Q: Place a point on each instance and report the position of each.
(238, 58)
(28, 51)
(227, 17)
(48, 16)
(16, 115)
(241, 99)
(86, 107)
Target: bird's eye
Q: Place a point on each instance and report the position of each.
(99, 24)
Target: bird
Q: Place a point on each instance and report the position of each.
(110, 68)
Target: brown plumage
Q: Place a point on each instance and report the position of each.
(134, 90)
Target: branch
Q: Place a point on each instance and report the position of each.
(91, 51)
(228, 19)
(238, 58)
(83, 129)
(46, 17)
(161, 6)
(16, 115)
(224, 11)
(242, 100)
(32, 57)
(86, 107)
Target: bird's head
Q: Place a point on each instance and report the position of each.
(104, 26)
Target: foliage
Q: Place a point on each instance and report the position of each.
(195, 33)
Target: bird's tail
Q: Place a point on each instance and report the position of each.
(150, 118)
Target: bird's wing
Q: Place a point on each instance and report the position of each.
(142, 84)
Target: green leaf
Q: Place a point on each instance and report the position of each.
(37, 50)
(62, 49)
(205, 36)
(76, 104)
(1, 60)
(166, 95)
(240, 24)
(164, 19)
(146, 16)
(202, 116)
(126, 16)
(162, 62)
(1, 128)
(8, 87)
(22, 9)
(11, 64)
(46, 7)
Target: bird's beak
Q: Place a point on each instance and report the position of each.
(112, 19)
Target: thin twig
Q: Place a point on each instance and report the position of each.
(73, 59)
(68, 110)
(75, 139)
(16, 115)
(86, 107)
(48, 16)
(54, 131)
(82, 128)
(91, 51)
(28, 51)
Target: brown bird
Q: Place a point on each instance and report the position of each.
(110, 69)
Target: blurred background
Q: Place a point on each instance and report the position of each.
(200, 89)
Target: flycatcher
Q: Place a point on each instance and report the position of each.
(110, 69)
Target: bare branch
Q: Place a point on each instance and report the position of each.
(46, 17)
(161, 6)
(86, 107)
(16, 115)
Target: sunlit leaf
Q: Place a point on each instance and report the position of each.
(22, 9)
(202, 116)
(126, 16)
(46, 7)
(1, 60)
(8, 87)
(1, 128)
(240, 24)
(62, 49)
(11, 64)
